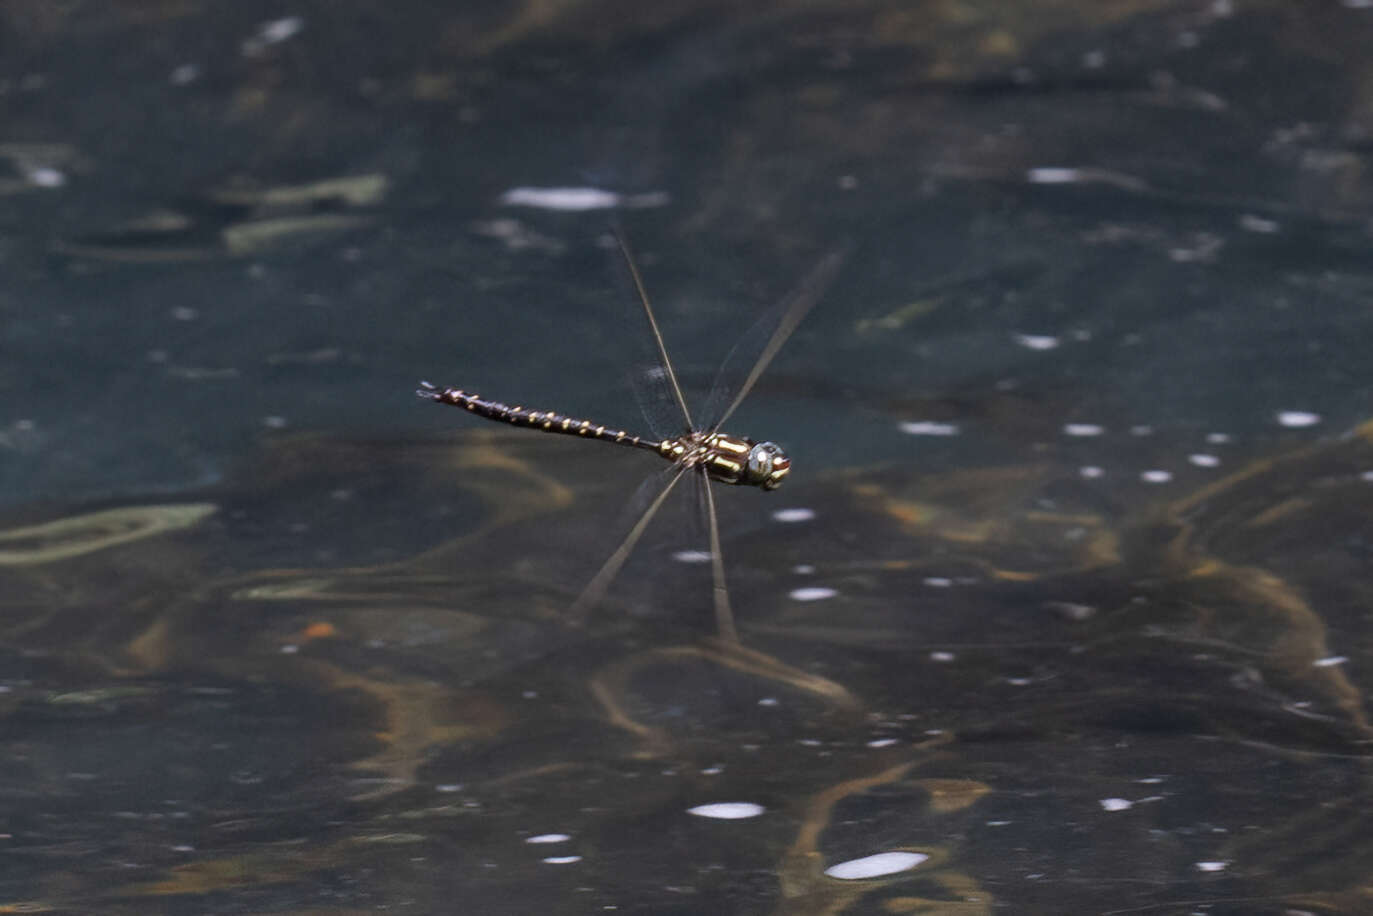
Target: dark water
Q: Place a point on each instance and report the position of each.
(1067, 601)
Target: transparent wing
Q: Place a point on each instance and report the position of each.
(652, 376)
(661, 416)
(760, 344)
(724, 614)
(650, 496)
(702, 530)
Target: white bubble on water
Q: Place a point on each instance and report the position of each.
(874, 866)
(727, 811)
(1297, 419)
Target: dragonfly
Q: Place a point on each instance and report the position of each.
(700, 452)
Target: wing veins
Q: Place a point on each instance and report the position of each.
(623, 244)
(794, 308)
(595, 589)
(724, 615)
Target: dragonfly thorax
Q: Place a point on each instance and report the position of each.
(730, 459)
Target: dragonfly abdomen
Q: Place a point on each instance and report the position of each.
(548, 421)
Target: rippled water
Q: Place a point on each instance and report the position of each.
(1064, 608)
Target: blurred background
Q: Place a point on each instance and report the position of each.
(1065, 601)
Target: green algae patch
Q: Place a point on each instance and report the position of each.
(65, 538)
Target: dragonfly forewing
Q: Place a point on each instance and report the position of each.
(654, 379)
(755, 350)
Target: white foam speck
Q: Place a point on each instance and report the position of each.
(1116, 804)
(1357, 4)
(942, 656)
(1091, 472)
(289, 649)
(567, 199)
(769, 701)
(271, 33)
(1330, 661)
(803, 569)
(1071, 610)
(1296, 419)
(1204, 461)
(1141, 430)
(727, 811)
(1217, 438)
(1366, 476)
(1053, 175)
(548, 838)
(928, 428)
(1156, 476)
(884, 863)
(1083, 429)
(185, 74)
(448, 787)
(1211, 866)
(45, 177)
(794, 515)
(577, 200)
(882, 742)
(1037, 341)
(814, 593)
(692, 556)
(281, 29)
(561, 860)
(1251, 223)
(938, 582)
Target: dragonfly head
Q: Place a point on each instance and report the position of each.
(767, 466)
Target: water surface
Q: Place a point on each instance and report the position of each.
(1063, 609)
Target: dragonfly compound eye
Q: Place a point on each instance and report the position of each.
(767, 465)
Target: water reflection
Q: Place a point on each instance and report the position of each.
(1098, 664)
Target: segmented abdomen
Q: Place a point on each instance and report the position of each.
(545, 420)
